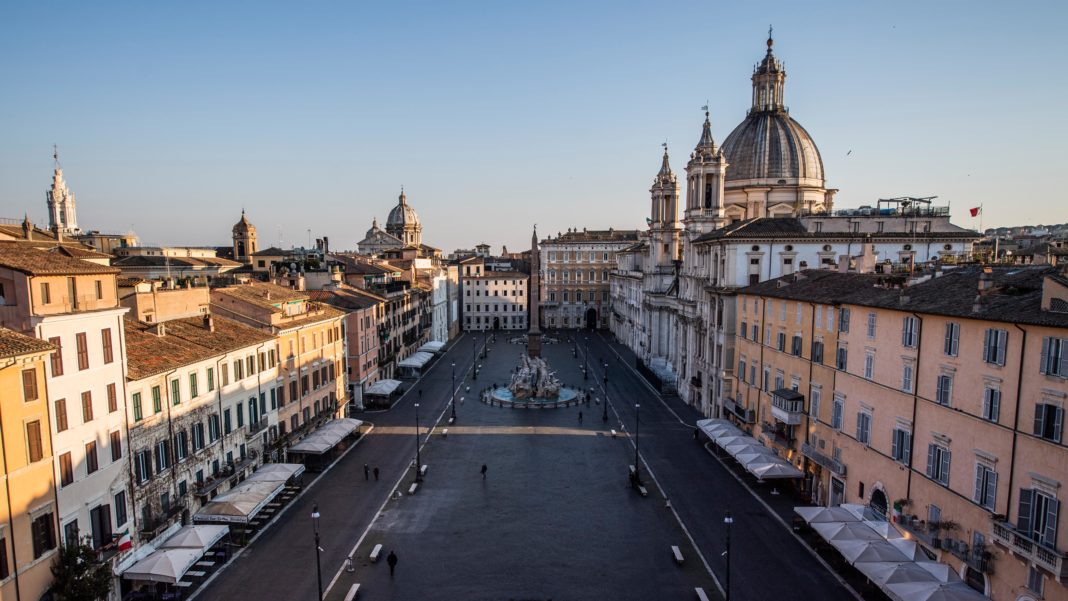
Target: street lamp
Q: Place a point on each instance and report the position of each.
(318, 566)
(453, 391)
(418, 458)
(474, 356)
(727, 521)
(637, 426)
(586, 359)
(604, 416)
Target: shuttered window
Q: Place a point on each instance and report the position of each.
(952, 341)
(986, 486)
(994, 346)
(938, 461)
(1054, 360)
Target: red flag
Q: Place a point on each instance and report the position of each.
(975, 211)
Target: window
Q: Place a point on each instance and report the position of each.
(120, 508)
(767, 377)
(906, 377)
(909, 329)
(944, 389)
(213, 427)
(113, 398)
(43, 532)
(83, 351)
(143, 466)
(99, 289)
(163, 456)
(105, 341)
(1054, 357)
(1036, 580)
(836, 414)
(226, 374)
(46, 293)
(239, 370)
(211, 378)
(227, 425)
(116, 445)
(901, 446)
(871, 325)
(994, 346)
(795, 345)
(193, 392)
(240, 415)
(843, 319)
(952, 341)
(61, 415)
(181, 445)
(56, 358)
(1038, 516)
(986, 486)
(869, 365)
(842, 360)
(991, 403)
(938, 458)
(198, 436)
(1049, 421)
(756, 333)
(780, 341)
(814, 403)
(157, 400)
(91, 462)
(817, 351)
(66, 470)
(34, 445)
(864, 427)
(137, 413)
(87, 406)
(780, 380)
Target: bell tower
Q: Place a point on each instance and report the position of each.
(704, 184)
(245, 244)
(664, 228)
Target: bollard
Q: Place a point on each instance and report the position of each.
(348, 564)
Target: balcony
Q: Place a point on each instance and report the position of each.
(1051, 560)
(255, 428)
(822, 460)
(157, 523)
(787, 406)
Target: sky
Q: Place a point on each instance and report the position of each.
(494, 116)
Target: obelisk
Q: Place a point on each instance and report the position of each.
(534, 299)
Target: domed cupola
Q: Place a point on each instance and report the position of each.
(774, 163)
(245, 244)
(403, 222)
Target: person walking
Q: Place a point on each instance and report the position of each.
(580, 417)
(484, 470)
(376, 473)
(366, 472)
(391, 559)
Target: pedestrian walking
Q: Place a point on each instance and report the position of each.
(484, 470)
(391, 559)
(366, 472)
(580, 417)
(376, 473)
(695, 433)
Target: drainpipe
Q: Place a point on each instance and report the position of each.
(1015, 422)
(170, 431)
(811, 369)
(761, 384)
(915, 405)
(7, 486)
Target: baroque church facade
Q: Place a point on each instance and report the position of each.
(756, 207)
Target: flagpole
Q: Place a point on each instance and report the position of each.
(980, 218)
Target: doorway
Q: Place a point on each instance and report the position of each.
(591, 319)
(878, 502)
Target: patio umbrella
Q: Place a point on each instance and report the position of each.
(164, 565)
(928, 591)
(277, 472)
(860, 551)
(894, 572)
(884, 528)
(820, 515)
(773, 470)
(728, 439)
(839, 531)
(939, 570)
(741, 445)
(754, 454)
(863, 512)
(910, 548)
(200, 537)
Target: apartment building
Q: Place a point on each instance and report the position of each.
(73, 304)
(28, 538)
(937, 399)
(493, 300)
(363, 313)
(574, 276)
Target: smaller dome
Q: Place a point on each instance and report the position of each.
(402, 214)
(244, 226)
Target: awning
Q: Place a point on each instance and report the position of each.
(433, 346)
(417, 361)
(775, 469)
(164, 565)
(241, 503)
(383, 387)
(716, 427)
(757, 459)
(276, 472)
(200, 536)
(326, 437)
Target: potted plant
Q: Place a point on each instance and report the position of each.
(938, 527)
(900, 507)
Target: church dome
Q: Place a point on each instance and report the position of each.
(402, 214)
(244, 226)
(771, 146)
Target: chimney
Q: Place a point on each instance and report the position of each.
(268, 295)
(159, 330)
(986, 281)
(27, 228)
(209, 323)
(843, 263)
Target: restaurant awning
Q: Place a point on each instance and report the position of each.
(757, 459)
(240, 504)
(164, 565)
(276, 472)
(326, 437)
(417, 360)
(434, 346)
(199, 536)
(383, 387)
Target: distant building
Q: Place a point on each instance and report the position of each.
(493, 300)
(574, 277)
(245, 243)
(62, 216)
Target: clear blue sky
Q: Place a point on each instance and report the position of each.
(171, 117)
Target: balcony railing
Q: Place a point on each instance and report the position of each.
(159, 522)
(820, 459)
(1051, 560)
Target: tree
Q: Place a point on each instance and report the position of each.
(79, 575)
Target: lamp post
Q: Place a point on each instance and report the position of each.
(727, 521)
(474, 356)
(418, 458)
(453, 391)
(318, 566)
(604, 415)
(586, 359)
(637, 426)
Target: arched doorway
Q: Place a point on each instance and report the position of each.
(591, 318)
(496, 323)
(878, 501)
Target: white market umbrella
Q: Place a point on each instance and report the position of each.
(760, 454)
(860, 551)
(939, 570)
(820, 515)
(926, 591)
(200, 536)
(728, 439)
(276, 472)
(742, 445)
(842, 531)
(164, 565)
(776, 469)
(895, 572)
(910, 548)
(884, 528)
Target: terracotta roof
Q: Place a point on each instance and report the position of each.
(263, 294)
(15, 231)
(1015, 296)
(77, 252)
(344, 298)
(793, 228)
(185, 341)
(506, 274)
(323, 312)
(13, 344)
(273, 251)
(157, 261)
(34, 261)
(610, 235)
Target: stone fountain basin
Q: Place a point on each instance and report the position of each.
(502, 397)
